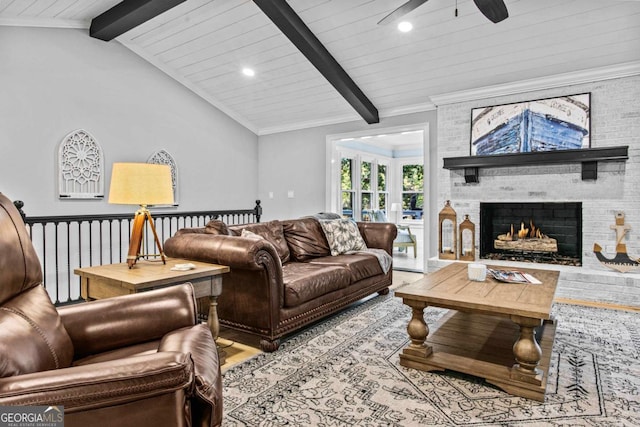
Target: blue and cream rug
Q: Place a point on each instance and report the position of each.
(346, 372)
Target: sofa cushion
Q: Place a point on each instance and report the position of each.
(304, 282)
(360, 266)
(342, 235)
(32, 337)
(305, 239)
(272, 232)
(215, 226)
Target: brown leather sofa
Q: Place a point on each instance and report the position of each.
(286, 278)
(124, 361)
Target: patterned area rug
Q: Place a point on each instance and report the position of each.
(346, 372)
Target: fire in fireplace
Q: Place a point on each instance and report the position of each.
(559, 243)
(526, 239)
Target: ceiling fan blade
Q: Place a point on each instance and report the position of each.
(401, 11)
(495, 10)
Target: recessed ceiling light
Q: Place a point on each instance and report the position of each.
(405, 26)
(248, 72)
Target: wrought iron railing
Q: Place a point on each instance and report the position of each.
(64, 243)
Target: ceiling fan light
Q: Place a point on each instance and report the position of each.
(405, 26)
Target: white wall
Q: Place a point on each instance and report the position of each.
(296, 160)
(55, 81)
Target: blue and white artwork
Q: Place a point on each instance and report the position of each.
(561, 123)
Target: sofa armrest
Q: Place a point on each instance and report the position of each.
(378, 235)
(101, 384)
(232, 251)
(112, 323)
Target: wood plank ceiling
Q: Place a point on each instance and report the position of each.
(205, 44)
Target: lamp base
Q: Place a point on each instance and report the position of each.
(140, 219)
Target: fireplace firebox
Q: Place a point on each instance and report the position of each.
(532, 232)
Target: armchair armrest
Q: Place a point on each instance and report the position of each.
(101, 384)
(112, 323)
(197, 341)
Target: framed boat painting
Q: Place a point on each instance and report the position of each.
(562, 123)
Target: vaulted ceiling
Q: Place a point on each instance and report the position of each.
(204, 45)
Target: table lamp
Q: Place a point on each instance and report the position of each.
(396, 207)
(141, 184)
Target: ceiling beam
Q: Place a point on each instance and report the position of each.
(286, 19)
(126, 15)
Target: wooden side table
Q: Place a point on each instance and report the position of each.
(110, 280)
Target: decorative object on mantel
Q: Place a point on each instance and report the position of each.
(551, 124)
(162, 157)
(588, 157)
(467, 241)
(621, 262)
(447, 234)
(80, 167)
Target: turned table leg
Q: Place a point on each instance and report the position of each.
(527, 352)
(417, 330)
(212, 319)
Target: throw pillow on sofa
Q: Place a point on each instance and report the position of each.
(342, 235)
(215, 226)
(272, 232)
(305, 238)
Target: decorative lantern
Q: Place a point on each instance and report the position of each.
(467, 241)
(448, 235)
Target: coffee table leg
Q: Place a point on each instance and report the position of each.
(527, 352)
(418, 330)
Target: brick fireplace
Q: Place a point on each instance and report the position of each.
(557, 222)
(614, 122)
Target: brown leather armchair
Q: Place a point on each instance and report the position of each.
(125, 361)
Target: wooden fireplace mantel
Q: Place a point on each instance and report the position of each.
(588, 157)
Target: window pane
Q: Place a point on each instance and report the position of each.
(412, 178)
(365, 180)
(347, 204)
(382, 198)
(346, 174)
(412, 201)
(366, 205)
(382, 178)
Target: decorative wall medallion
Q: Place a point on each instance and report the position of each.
(621, 262)
(80, 167)
(162, 157)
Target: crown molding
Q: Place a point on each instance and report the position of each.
(391, 112)
(408, 109)
(627, 69)
(45, 23)
(309, 124)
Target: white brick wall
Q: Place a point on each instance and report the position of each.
(615, 121)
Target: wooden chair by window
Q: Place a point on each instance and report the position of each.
(405, 238)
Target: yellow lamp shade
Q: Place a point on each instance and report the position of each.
(141, 184)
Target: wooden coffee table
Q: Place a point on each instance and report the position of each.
(502, 332)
